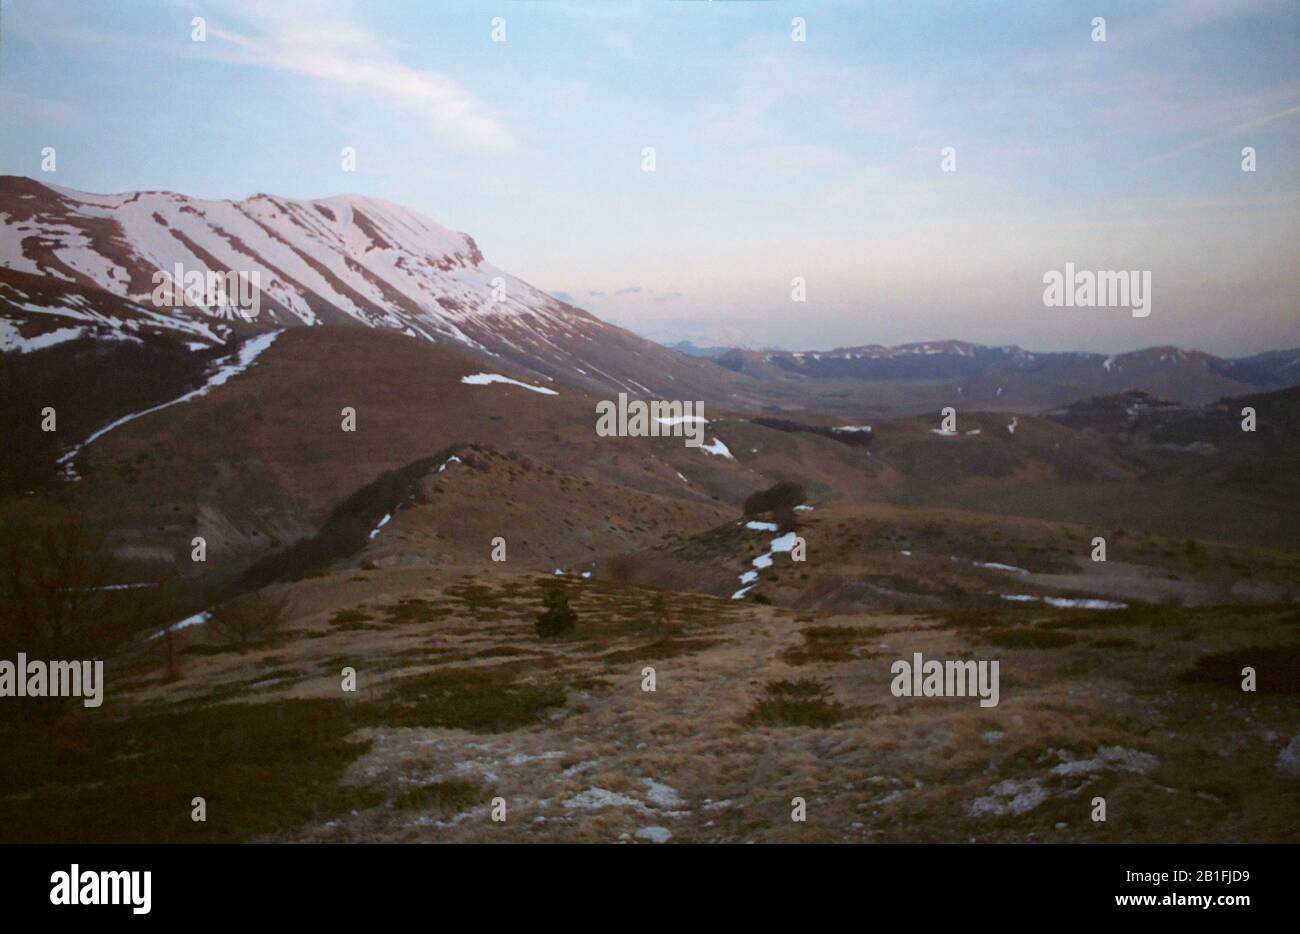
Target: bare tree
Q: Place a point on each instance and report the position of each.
(54, 604)
(53, 581)
(246, 619)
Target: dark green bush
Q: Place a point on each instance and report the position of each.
(558, 618)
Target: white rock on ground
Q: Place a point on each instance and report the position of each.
(1010, 797)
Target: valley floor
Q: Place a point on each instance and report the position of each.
(459, 702)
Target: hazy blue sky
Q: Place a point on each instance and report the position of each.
(774, 158)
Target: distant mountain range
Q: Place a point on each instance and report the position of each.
(1010, 376)
(694, 350)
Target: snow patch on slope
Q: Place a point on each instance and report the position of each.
(483, 379)
(248, 352)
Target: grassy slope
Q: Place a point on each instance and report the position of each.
(459, 702)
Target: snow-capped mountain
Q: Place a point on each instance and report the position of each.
(75, 265)
(343, 260)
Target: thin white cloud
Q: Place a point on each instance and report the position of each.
(15, 104)
(327, 47)
(308, 40)
(1226, 134)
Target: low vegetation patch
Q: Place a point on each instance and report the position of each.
(830, 644)
(206, 648)
(1115, 644)
(486, 700)
(780, 496)
(349, 619)
(804, 703)
(500, 651)
(347, 528)
(413, 610)
(1028, 637)
(260, 767)
(1277, 668)
(475, 595)
(663, 648)
(985, 618)
(446, 797)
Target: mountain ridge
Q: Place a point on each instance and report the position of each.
(81, 265)
(342, 260)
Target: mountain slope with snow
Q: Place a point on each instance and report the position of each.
(344, 260)
(75, 266)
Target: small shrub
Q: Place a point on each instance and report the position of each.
(805, 703)
(558, 618)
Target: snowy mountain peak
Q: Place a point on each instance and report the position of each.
(88, 265)
(324, 261)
